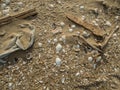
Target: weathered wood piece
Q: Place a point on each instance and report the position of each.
(94, 29)
(20, 15)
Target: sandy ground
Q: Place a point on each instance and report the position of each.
(76, 72)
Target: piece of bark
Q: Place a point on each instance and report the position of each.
(94, 29)
(20, 15)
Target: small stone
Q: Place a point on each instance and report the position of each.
(70, 30)
(51, 5)
(108, 23)
(98, 59)
(81, 7)
(40, 44)
(85, 34)
(62, 23)
(90, 59)
(58, 61)
(10, 84)
(58, 48)
(55, 40)
(63, 80)
(20, 4)
(73, 26)
(77, 74)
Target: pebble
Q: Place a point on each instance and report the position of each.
(40, 44)
(83, 17)
(20, 4)
(82, 7)
(70, 30)
(55, 40)
(73, 26)
(58, 48)
(58, 61)
(85, 34)
(62, 23)
(51, 5)
(90, 59)
(108, 23)
(98, 59)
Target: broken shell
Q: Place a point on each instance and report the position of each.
(58, 61)
(55, 40)
(20, 4)
(81, 7)
(58, 48)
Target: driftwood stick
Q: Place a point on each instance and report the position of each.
(20, 15)
(94, 47)
(94, 29)
(108, 38)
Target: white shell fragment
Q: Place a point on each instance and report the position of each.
(58, 61)
(58, 48)
(85, 34)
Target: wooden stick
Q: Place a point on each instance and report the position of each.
(108, 38)
(94, 47)
(20, 15)
(95, 30)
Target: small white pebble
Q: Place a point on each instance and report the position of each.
(58, 48)
(10, 84)
(114, 35)
(81, 7)
(70, 30)
(73, 26)
(51, 5)
(108, 23)
(62, 23)
(55, 40)
(63, 80)
(77, 74)
(95, 23)
(40, 44)
(90, 59)
(85, 34)
(58, 61)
